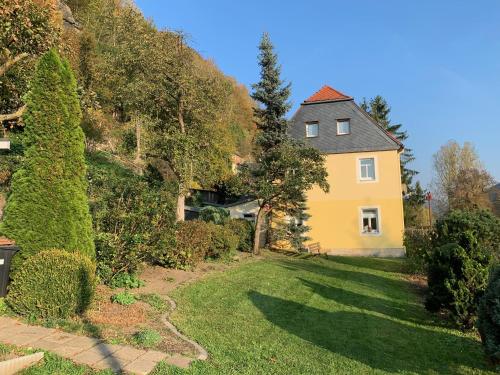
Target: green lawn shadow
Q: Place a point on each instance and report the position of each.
(377, 342)
(392, 287)
(395, 309)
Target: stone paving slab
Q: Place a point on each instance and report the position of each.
(86, 350)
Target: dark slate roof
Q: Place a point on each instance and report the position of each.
(366, 134)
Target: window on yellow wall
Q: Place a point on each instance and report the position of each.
(370, 221)
(367, 169)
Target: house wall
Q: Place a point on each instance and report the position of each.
(239, 211)
(336, 216)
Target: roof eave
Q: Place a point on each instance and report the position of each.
(326, 101)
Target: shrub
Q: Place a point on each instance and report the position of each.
(216, 215)
(223, 241)
(457, 278)
(123, 298)
(52, 284)
(3, 306)
(48, 206)
(192, 243)
(134, 218)
(244, 230)
(126, 280)
(489, 318)
(128, 141)
(469, 229)
(147, 338)
(418, 243)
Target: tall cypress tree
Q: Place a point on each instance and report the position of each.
(272, 93)
(48, 205)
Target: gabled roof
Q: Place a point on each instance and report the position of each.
(327, 94)
(327, 106)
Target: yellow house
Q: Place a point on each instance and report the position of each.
(363, 212)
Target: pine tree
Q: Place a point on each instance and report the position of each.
(48, 206)
(285, 169)
(414, 205)
(272, 93)
(379, 110)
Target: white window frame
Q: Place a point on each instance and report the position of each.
(379, 221)
(375, 166)
(343, 120)
(317, 126)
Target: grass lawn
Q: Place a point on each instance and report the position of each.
(286, 315)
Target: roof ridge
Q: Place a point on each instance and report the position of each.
(326, 94)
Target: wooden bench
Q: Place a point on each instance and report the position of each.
(314, 248)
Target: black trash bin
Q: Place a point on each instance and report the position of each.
(6, 254)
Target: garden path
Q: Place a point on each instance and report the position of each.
(86, 350)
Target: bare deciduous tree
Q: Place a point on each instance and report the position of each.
(460, 179)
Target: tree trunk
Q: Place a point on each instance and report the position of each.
(11, 61)
(179, 214)
(138, 141)
(258, 227)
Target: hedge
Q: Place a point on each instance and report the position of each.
(489, 318)
(52, 284)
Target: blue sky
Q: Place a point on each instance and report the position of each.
(437, 63)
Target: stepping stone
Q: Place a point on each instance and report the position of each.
(75, 345)
(145, 363)
(52, 341)
(179, 361)
(140, 366)
(155, 356)
(128, 353)
(114, 363)
(95, 354)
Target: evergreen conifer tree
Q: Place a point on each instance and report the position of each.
(285, 169)
(379, 110)
(272, 93)
(48, 205)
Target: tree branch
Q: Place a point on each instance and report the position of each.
(11, 61)
(14, 115)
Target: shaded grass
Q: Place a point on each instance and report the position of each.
(288, 315)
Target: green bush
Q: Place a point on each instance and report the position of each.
(52, 284)
(470, 229)
(147, 338)
(457, 278)
(123, 298)
(128, 141)
(134, 218)
(223, 242)
(48, 206)
(244, 230)
(418, 243)
(193, 240)
(216, 215)
(489, 318)
(126, 280)
(3, 306)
